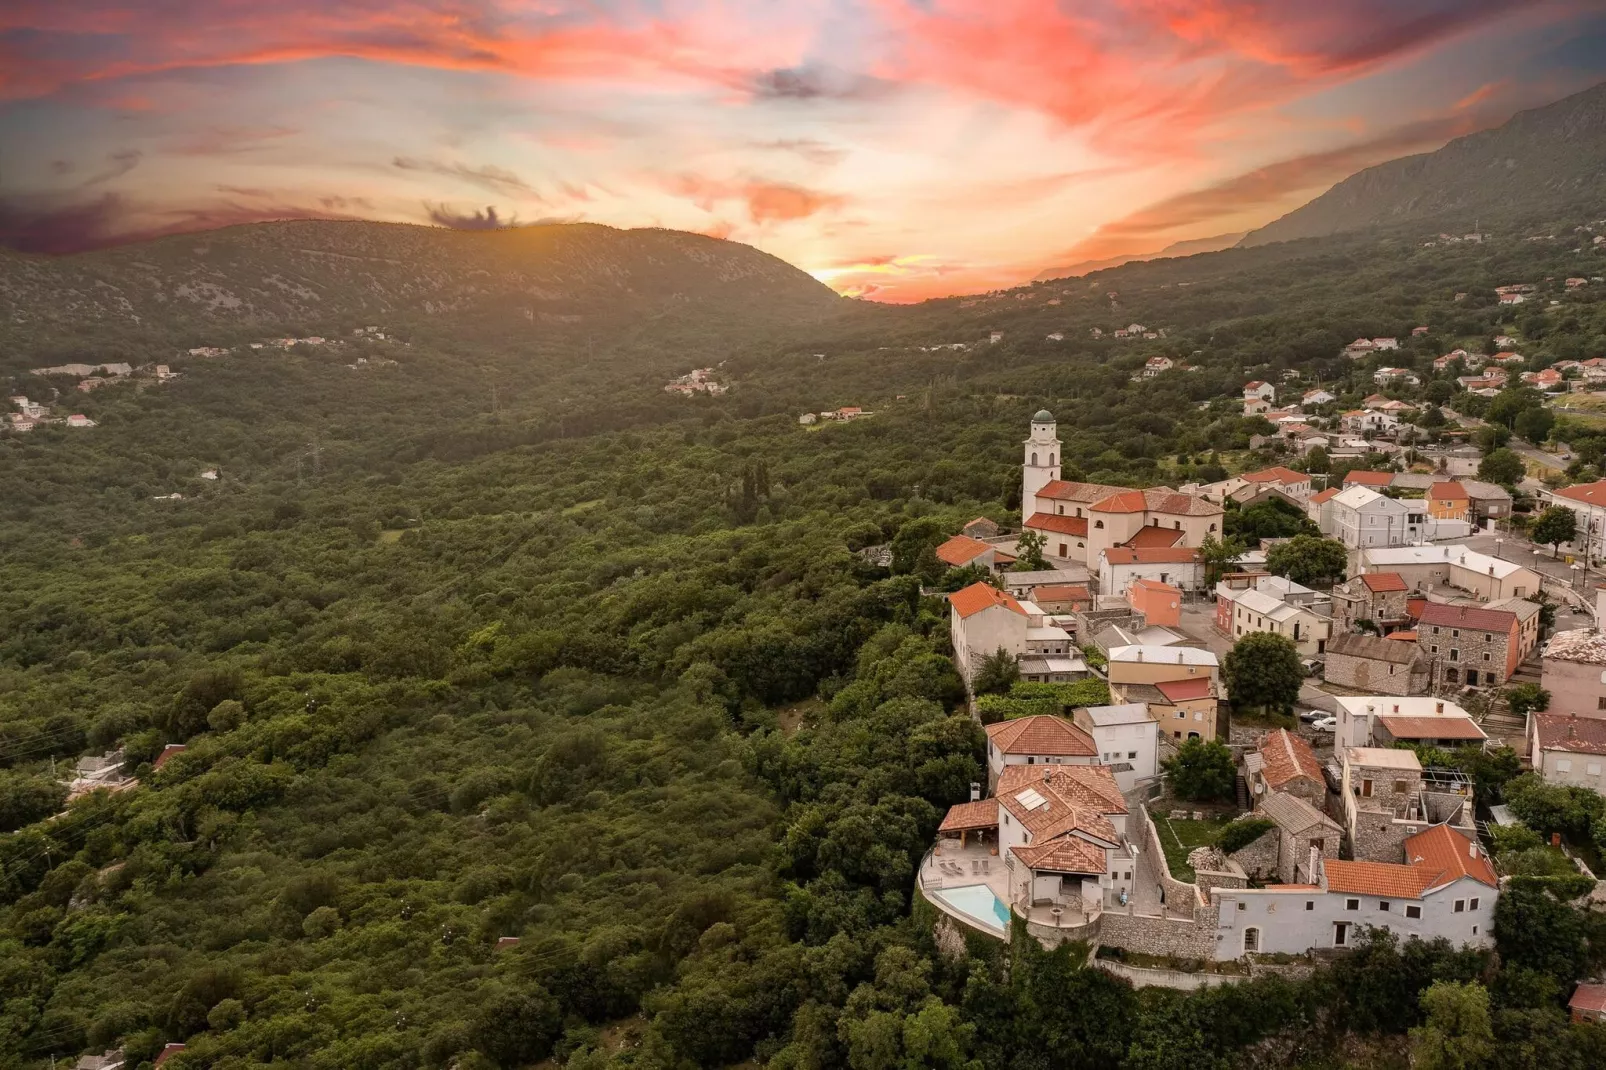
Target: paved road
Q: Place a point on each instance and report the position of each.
(1533, 453)
(1563, 583)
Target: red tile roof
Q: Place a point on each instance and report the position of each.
(1061, 592)
(1408, 637)
(1150, 555)
(1174, 502)
(1286, 756)
(1588, 998)
(979, 596)
(1380, 582)
(1448, 492)
(1368, 479)
(1088, 785)
(1403, 727)
(1042, 734)
(1150, 536)
(1157, 587)
(1182, 690)
(1062, 854)
(1064, 525)
(167, 752)
(1588, 493)
(1279, 474)
(1473, 618)
(1069, 491)
(1127, 501)
(971, 815)
(1389, 879)
(1453, 855)
(1322, 495)
(961, 550)
(1585, 735)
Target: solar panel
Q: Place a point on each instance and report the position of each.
(1031, 799)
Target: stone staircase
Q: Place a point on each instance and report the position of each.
(1241, 786)
(1499, 721)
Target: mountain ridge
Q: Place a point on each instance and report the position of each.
(1186, 247)
(317, 272)
(1541, 159)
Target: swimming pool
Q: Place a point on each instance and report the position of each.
(977, 901)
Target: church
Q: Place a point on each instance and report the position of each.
(1079, 521)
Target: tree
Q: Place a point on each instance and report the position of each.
(1502, 466)
(1202, 771)
(1274, 518)
(913, 546)
(1308, 559)
(1553, 527)
(1262, 672)
(1029, 551)
(1534, 424)
(1523, 698)
(1457, 1034)
(1219, 555)
(999, 670)
(1317, 460)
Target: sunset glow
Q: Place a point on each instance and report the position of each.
(896, 149)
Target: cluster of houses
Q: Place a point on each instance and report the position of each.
(1062, 840)
(845, 414)
(696, 381)
(31, 414)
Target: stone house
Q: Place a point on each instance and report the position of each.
(1487, 501)
(1062, 834)
(1379, 597)
(1284, 853)
(1387, 799)
(1374, 664)
(1360, 717)
(1062, 597)
(1284, 763)
(1469, 645)
(1446, 887)
(962, 551)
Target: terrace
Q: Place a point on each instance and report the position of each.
(952, 866)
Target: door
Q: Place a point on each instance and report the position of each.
(1340, 934)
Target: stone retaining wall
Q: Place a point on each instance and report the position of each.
(1182, 938)
(1180, 897)
(1052, 936)
(1259, 858)
(1148, 977)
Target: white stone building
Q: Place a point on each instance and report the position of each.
(1446, 887)
(1360, 715)
(1568, 750)
(1127, 739)
(1361, 518)
(981, 621)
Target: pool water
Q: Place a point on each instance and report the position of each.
(977, 901)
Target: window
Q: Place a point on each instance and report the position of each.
(1455, 633)
(1413, 912)
(1051, 459)
(1472, 677)
(1487, 656)
(1243, 906)
(1564, 765)
(1031, 759)
(1034, 460)
(1455, 654)
(1400, 787)
(1383, 905)
(1435, 649)
(1487, 638)
(1435, 632)
(1318, 843)
(1460, 906)
(1451, 676)
(1352, 904)
(1251, 939)
(1472, 904)
(1593, 769)
(1600, 703)
(1474, 930)
(1310, 904)
(1181, 714)
(1131, 754)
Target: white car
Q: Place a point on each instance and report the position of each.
(1324, 724)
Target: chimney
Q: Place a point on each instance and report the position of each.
(1140, 654)
(1045, 774)
(1472, 849)
(1572, 730)
(1438, 707)
(1179, 657)
(975, 791)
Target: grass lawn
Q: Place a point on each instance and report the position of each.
(1177, 838)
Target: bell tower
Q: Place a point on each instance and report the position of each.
(1041, 462)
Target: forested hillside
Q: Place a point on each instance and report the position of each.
(1542, 165)
(501, 640)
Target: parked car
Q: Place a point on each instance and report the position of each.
(1312, 715)
(1325, 724)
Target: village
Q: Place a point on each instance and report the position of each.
(1426, 627)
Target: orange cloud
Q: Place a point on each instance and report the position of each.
(767, 202)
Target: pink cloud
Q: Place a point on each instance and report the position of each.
(767, 202)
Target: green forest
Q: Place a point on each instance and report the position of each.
(501, 640)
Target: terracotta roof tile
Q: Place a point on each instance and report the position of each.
(971, 815)
(1150, 536)
(1288, 757)
(979, 596)
(1279, 474)
(1061, 592)
(1389, 879)
(1322, 495)
(1588, 493)
(1064, 525)
(1368, 479)
(1443, 850)
(1068, 491)
(1588, 997)
(1127, 501)
(1584, 735)
(1150, 555)
(1473, 618)
(1063, 854)
(1448, 492)
(1182, 690)
(1402, 727)
(1379, 582)
(1042, 734)
(1176, 503)
(961, 550)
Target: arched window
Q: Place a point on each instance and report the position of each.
(1034, 460)
(1051, 460)
(1251, 939)
(1451, 676)
(1098, 523)
(1212, 527)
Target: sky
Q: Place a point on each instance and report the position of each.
(896, 149)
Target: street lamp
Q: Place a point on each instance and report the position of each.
(1498, 541)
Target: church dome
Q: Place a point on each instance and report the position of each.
(1043, 417)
